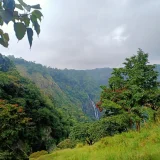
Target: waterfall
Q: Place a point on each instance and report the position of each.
(95, 110)
(96, 115)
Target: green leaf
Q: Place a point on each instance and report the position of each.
(1, 21)
(9, 5)
(6, 16)
(30, 36)
(36, 6)
(37, 27)
(33, 18)
(38, 14)
(19, 6)
(22, 3)
(20, 30)
(1, 4)
(6, 37)
(35, 24)
(5, 44)
(1, 32)
(26, 20)
(27, 7)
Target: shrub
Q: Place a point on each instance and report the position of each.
(38, 154)
(67, 143)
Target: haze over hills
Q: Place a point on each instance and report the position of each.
(76, 91)
(70, 89)
(60, 104)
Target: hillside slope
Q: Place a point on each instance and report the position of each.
(40, 76)
(127, 146)
(29, 120)
(74, 90)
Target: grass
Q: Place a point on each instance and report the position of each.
(126, 146)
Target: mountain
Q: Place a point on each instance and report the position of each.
(29, 120)
(73, 90)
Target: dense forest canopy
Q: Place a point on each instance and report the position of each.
(77, 89)
(29, 120)
(42, 108)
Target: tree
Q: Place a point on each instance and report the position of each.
(133, 91)
(90, 133)
(29, 120)
(22, 15)
(14, 123)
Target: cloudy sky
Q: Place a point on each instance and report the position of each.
(85, 34)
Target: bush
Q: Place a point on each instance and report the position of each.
(67, 143)
(79, 145)
(38, 154)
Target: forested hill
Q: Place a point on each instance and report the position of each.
(73, 91)
(70, 89)
(29, 120)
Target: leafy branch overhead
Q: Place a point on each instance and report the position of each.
(23, 16)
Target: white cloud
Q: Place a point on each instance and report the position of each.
(119, 34)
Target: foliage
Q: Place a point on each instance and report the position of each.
(67, 143)
(5, 64)
(89, 133)
(23, 17)
(131, 145)
(133, 91)
(30, 120)
(71, 90)
(38, 154)
(14, 124)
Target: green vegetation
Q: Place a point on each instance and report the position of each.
(70, 89)
(130, 100)
(126, 146)
(51, 118)
(49, 113)
(29, 120)
(133, 95)
(41, 77)
(22, 15)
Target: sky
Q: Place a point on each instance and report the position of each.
(87, 34)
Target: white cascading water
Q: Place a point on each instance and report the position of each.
(95, 110)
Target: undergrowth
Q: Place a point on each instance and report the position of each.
(126, 146)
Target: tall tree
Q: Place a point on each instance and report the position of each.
(133, 90)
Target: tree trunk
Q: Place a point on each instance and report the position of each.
(138, 126)
(89, 142)
(130, 124)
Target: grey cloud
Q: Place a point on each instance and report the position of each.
(84, 34)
